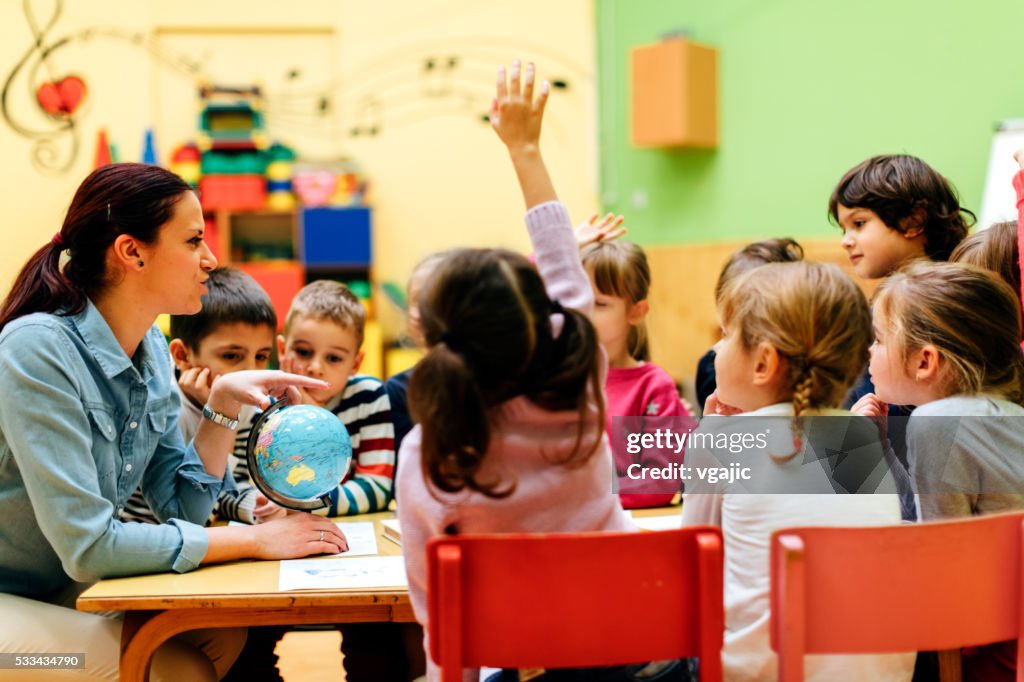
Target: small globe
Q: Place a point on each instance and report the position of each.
(298, 454)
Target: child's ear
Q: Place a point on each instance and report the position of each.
(280, 345)
(181, 355)
(924, 363)
(357, 363)
(768, 364)
(637, 312)
(913, 224)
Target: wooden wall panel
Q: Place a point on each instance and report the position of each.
(682, 322)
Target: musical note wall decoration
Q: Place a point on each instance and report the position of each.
(58, 95)
(410, 84)
(414, 83)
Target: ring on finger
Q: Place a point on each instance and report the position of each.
(321, 536)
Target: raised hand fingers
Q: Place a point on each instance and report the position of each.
(514, 86)
(502, 85)
(528, 82)
(542, 98)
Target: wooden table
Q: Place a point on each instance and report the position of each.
(240, 593)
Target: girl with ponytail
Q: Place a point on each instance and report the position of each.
(507, 401)
(90, 413)
(794, 339)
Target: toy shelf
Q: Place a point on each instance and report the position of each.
(284, 250)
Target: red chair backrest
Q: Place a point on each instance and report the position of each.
(575, 600)
(915, 587)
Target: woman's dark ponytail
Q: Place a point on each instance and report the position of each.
(40, 286)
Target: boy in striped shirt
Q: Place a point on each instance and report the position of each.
(323, 334)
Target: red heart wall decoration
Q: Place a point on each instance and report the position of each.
(62, 98)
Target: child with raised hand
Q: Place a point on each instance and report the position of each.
(794, 338)
(635, 387)
(234, 331)
(508, 405)
(947, 339)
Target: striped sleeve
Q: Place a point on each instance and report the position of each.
(365, 411)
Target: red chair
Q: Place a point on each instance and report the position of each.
(575, 600)
(931, 586)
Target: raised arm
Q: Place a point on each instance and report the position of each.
(516, 117)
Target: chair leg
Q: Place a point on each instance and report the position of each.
(949, 666)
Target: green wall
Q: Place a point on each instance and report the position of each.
(807, 89)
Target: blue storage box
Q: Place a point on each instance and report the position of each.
(335, 237)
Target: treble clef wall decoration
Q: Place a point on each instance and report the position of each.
(58, 96)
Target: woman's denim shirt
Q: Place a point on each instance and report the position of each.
(81, 426)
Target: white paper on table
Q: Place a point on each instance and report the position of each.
(670, 522)
(362, 540)
(367, 573)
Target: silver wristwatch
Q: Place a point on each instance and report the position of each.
(219, 419)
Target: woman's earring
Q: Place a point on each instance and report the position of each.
(141, 264)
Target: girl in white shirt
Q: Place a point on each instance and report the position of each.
(794, 338)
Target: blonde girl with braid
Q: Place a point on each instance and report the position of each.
(795, 336)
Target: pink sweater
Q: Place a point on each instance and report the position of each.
(524, 440)
(644, 391)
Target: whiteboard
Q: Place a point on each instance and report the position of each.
(999, 202)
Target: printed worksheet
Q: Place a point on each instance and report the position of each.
(362, 540)
(358, 573)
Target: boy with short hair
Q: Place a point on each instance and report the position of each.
(323, 333)
(233, 331)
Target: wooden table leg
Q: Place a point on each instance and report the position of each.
(144, 631)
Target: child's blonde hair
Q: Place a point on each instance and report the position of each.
(994, 249)
(815, 316)
(970, 315)
(327, 299)
(620, 269)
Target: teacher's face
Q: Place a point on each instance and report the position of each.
(177, 265)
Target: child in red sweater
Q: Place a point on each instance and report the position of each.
(635, 387)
